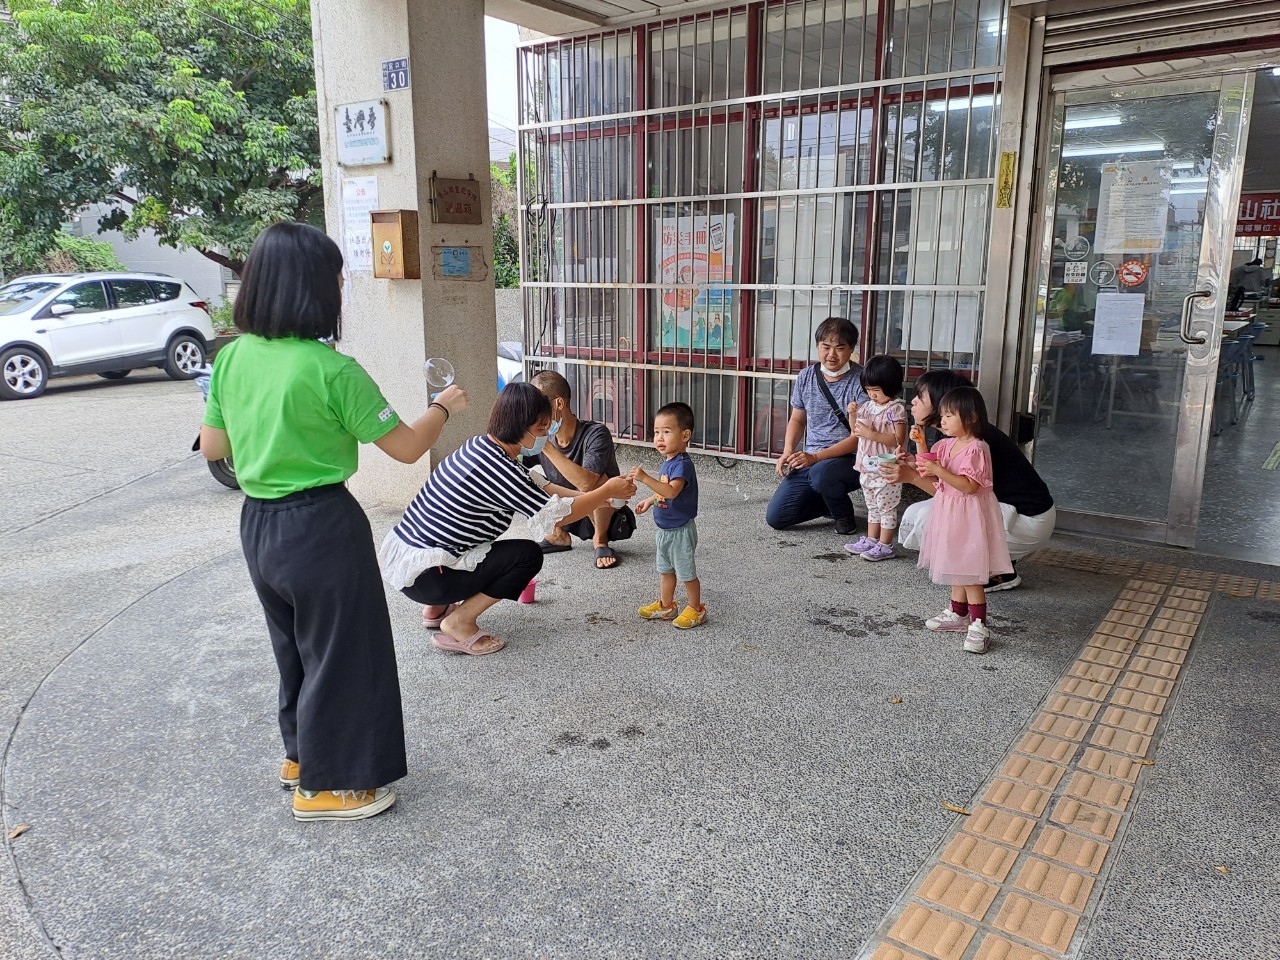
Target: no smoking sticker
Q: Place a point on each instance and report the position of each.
(1132, 273)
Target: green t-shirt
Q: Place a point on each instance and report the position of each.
(295, 412)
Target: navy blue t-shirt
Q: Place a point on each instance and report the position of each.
(675, 512)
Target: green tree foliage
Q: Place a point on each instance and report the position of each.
(72, 254)
(192, 118)
(506, 230)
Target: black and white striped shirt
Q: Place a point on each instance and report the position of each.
(470, 500)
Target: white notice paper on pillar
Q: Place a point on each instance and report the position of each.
(359, 196)
(1117, 324)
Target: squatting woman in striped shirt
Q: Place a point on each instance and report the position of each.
(444, 553)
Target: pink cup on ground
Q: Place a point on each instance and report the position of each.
(527, 595)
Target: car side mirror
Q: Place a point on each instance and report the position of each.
(61, 309)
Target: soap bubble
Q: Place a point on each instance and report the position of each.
(439, 372)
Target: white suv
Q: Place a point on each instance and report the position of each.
(59, 325)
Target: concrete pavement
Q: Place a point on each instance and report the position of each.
(768, 785)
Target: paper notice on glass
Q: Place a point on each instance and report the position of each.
(1117, 324)
(1133, 207)
(359, 196)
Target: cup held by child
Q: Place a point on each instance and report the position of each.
(528, 594)
(921, 457)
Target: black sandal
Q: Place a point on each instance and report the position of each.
(546, 546)
(602, 552)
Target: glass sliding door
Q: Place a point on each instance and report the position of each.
(1140, 197)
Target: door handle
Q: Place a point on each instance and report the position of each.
(1183, 331)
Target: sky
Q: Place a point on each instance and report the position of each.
(500, 56)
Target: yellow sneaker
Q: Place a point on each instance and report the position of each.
(290, 773)
(690, 618)
(341, 804)
(656, 611)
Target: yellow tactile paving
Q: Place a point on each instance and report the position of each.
(998, 948)
(1155, 685)
(932, 933)
(1065, 728)
(958, 892)
(1038, 922)
(1122, 741)
(1157, 651)
(1048, 881)
(1047, 748)
(1019, 875)
(1086, 818)
(887, 951)
(1081, 853)
(1017, 797)
(1082, 687)
(1109, 793)
(1094, 672)
(1157, 668)
(998, 825)
(1109, 765)
(1031, 771)
(980, 857)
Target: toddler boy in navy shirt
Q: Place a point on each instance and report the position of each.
(675, 507)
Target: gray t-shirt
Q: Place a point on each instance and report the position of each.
(822, 427)
(591, 448)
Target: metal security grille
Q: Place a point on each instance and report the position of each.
(699, 194)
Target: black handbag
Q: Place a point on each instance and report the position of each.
(623, 524)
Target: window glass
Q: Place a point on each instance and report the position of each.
(131, 293)
(21, 294)
(165, 291)
(84, 297)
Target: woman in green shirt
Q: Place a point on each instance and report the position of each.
(293, 412)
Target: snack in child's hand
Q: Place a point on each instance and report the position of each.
(917, 437)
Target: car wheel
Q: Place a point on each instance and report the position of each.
(23, 374)
(114, 374)
(184, 358)
(224, 471)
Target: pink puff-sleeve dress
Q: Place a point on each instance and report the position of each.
(964, 540)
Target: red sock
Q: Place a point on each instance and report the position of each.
(978, 611)
(960, 608)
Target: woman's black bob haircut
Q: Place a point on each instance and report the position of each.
(967, 404)
(519, 408)
(883, 372)
(935, 385)
(289, 285)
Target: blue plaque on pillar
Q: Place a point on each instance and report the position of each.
(455, 261)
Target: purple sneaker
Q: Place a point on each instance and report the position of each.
(878, 551)
(861, 545)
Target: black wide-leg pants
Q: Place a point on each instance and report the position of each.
(312, 562)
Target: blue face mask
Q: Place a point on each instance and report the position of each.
(538, 444)
(554, 428)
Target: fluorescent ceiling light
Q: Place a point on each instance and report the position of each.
(964, 103)
(1183, 180)
(1089, 123)
(1199, 192)
(1152, 146)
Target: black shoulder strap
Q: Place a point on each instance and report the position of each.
(826, 392)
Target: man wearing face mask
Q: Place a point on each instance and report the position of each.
(578, 454)
(818, 476)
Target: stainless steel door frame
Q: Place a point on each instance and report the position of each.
(1205, 316)
(1205, 321)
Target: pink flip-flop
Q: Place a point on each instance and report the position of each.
(443, 641)
(433, 623)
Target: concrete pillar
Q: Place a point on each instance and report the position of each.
(440, 123)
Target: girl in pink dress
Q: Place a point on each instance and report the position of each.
(964, 542)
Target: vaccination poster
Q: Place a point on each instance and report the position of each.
(696, 264)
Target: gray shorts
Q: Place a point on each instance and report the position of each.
(676, 549)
